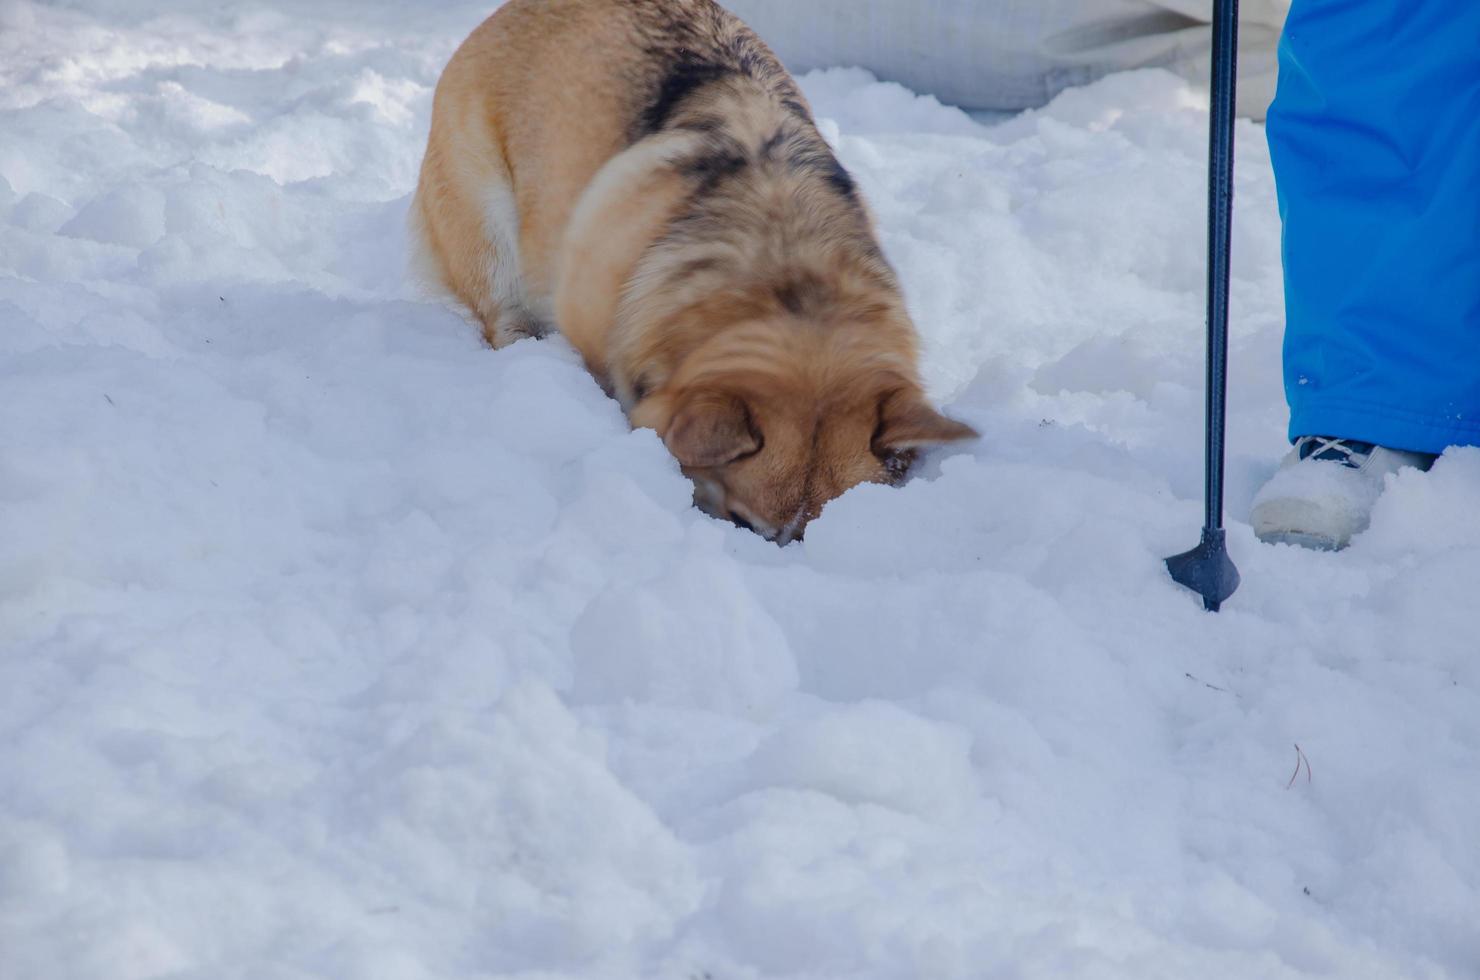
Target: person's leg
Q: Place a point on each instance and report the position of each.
(1375, 138)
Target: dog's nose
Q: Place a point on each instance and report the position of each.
(788, 535)
(793, 529)
(741, 522)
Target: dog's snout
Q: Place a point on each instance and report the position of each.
(793, 529)
(788, 535)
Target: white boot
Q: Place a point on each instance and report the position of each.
(1324, 491)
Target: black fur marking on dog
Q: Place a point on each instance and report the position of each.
(705, 124)
(773, 143)
(801, 294)
(721, 159)
(839, 178)
(695, 266)
(694, 46)
(685, 76)
(818, 159)
(795, 107)
(807, 152)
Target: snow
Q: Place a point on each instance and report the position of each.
(334, 645)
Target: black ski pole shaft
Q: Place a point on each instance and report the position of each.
(1220, 232)
(1207, 569)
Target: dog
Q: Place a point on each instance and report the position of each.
(646, 175)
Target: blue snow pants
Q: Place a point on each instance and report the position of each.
(1375, 137)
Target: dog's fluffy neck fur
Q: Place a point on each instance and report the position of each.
(772, 244)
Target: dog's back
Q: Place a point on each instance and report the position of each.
(535, 101)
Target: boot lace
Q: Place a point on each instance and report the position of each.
(1347, 452)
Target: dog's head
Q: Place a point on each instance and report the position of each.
(769, 437)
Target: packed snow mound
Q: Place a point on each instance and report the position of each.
(333, 644)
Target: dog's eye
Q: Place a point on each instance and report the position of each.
(897, 464)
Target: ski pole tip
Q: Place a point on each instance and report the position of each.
(1206, 569)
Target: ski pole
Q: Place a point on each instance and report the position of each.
(1207, 569)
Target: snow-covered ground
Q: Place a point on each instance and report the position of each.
(333, 645)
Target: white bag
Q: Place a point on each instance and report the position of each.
(1008, 55)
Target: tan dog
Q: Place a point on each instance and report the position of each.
(646, 174)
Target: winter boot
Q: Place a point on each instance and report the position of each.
(1324, 491)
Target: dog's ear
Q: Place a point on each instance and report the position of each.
(711, 429)
(906, 421)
